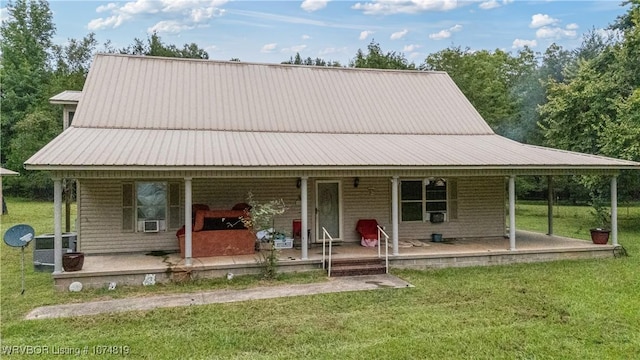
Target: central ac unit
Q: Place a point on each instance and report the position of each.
(151, 226)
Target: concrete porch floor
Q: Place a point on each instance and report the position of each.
(131, 269)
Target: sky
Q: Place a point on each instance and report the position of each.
(273, 31)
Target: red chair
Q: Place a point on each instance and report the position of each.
(368, 230)
(297, 229)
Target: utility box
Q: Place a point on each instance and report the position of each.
(43, 252)
(437, 217)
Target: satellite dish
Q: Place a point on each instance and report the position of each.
(19, 236)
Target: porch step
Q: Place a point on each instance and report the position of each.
(351, 267)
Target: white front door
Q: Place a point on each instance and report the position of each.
(329, 208)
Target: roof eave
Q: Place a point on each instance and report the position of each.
(513, 168)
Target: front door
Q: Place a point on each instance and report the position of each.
(329, 208)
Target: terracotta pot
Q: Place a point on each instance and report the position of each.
(600, 236)
(72, 261)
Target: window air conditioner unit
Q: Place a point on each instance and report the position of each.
(151, 226)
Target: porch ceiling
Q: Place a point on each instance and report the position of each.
(129, 149)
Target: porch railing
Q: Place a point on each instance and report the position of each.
(326, 234)
(386, 247)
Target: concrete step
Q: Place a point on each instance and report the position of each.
(356, 261)
(359, 266)
(357, 270)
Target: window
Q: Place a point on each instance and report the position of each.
(154, 203)
(421, 198)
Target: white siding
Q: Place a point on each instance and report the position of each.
(480, 209)
(225, 193)
(481, 203)
(100, 222)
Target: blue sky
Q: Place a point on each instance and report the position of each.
(272, 31)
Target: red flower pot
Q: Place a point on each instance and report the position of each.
(600, 236)
(72, 261)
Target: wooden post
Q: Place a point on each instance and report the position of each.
(304, 218)
(512, 212)
(394, 214)
(57, 226)
(550, 204)
(188, 226)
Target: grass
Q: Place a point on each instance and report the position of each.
(584, 309)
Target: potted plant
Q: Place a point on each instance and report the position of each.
(600, 234)
(261, 219)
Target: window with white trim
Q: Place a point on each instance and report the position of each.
(422, 200)
(151, 205)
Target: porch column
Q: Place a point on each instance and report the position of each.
(57, 225)
(512, 212)
(188, 226)
(614, 210)
(394, 214)
(304, 219)
(550, 204)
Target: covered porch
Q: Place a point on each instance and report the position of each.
(131, 269)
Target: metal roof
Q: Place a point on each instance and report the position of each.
(136, 92)
(177, 113)
(7, 172)
(66, 97)
(78, 147)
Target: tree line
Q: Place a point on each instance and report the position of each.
(586, 99)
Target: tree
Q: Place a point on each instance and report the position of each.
(24, 74)
(297, 60)
(72, 63)
(485, 78)
(32, 132)
(596, 110)
(155, 47)
(377, 59)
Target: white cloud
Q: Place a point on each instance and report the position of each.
(492, 4)
(109, 22)
(169, 26)
(445, 34)
(399, 34)
(572, 26)
(520, 43)
(411, 47)
(332, 50)
(4, 15)
(365, 34)
(295, 48)
(179, 13)
(540, 20)
(108, 7)
(313, 5)
(267, 48)
(203, 14)
(440, 35)
(305, 37)
(556, 32)
(609, 34)
(489, 5)
(388, 7)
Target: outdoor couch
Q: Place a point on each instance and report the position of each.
(218, 233)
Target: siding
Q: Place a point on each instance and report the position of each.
(481, 210)
(100, 221)
(224, 193)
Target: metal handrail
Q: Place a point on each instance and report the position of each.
(386, 247)
(325, 233)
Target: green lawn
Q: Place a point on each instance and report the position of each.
(584, 309)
